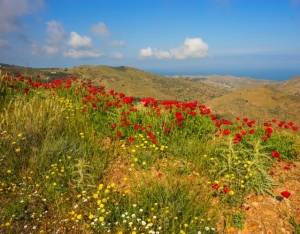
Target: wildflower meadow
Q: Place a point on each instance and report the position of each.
(76, 158)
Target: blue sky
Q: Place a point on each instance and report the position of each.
(254, 38)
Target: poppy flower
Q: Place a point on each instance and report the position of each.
(159, 175)
(275, 154)
(288, 167)
(251, 131)
(264, 138)
(215, 186)
(286, 194)
(226, 132)
(226, 190)
(295, 128)
(269, 130)
(119, 134)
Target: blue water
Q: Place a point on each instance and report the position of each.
(267, 74)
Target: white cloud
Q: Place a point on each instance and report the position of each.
(50, 50)
(77, 41)
(147, 52)
(4, 43)
(100, 29)
(120, 43)
(81, 54)
(191, 48)
(12, 11)
(40, 50)
(116, 55)
(55, 32)
(162, 54)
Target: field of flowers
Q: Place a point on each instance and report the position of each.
(75, 158)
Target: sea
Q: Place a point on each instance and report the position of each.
(265, 74)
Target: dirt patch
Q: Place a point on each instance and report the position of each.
(271, 214)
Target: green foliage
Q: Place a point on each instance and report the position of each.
(296, 226)
(238, 221)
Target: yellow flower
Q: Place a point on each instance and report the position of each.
(95, 195)
(18, 150)
(20, 135)
(79, 216)
(185, 225)
(144, 163)
(8, 171)
(101, 219)
(91, 216)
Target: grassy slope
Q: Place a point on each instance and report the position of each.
(260, 103)
(137, 83)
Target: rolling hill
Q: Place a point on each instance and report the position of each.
(228, 96)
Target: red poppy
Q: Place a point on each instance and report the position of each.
(275, 154)
(295, 128)
(215, 186)
(159, 175)
(226, 132)
(26, 90)
(269, 130)
(286, 194)
(226, 190)
(288, 167)
(119, 134)
(264, 138)
(131, 139)
(251, 131)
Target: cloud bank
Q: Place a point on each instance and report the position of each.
(12, 12)
(191, 48)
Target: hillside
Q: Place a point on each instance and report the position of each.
(291, 86)
(229, 82)
(228, 96)
(262, 104)
(138, 83)
(131, 81)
